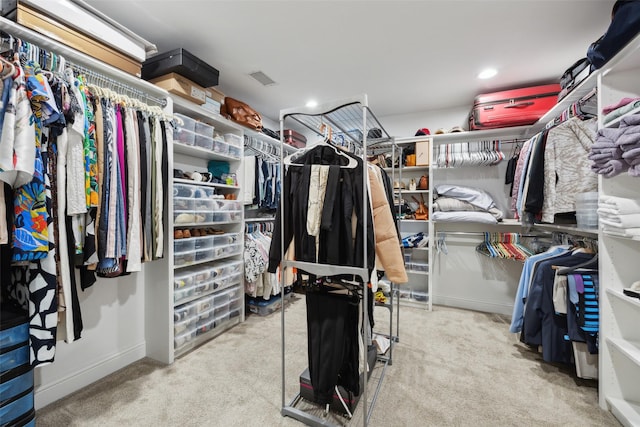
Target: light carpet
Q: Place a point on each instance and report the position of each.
(450, 368)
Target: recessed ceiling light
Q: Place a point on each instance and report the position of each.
(312, 103)
(487, 73)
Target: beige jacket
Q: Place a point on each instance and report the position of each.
(388, 251)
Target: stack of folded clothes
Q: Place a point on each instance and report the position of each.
(618, 149)
(418, 240)
(619, 216)
(619, 109)
(606, 156)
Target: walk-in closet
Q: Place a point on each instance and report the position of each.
(416, 213)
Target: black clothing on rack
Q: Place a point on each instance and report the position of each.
(332, 343)
(542, 325)
(336, 243)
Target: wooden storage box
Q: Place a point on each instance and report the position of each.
(60, 32)
(423, 154)
(181, 86)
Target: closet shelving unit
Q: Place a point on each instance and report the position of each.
(454, 275)
(353, 119)
(619, 358)
(416, 293)
(206, 271)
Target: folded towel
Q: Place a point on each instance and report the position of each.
(611, 168)
(623, 221)
(619, 112)
(631, 119)
(604, 156)
(630, 137)
(624, 101)
(632, 157)
(622, 205)
(622, 232)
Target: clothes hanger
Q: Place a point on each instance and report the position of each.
(590, 264)
(8, 69)
(352, 162)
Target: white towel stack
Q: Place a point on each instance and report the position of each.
(619, 216)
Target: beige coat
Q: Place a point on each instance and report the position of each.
(388, 252)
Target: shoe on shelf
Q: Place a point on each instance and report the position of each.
(187, 233)
(177, 234)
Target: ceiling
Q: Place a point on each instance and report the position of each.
(407, 56)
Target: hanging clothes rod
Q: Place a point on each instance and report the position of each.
(101, 80)
(482, 233)
(81, 59)
(267, 219)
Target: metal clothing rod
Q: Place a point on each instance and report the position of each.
(482, 233)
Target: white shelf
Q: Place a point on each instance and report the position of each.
(426, 248)
(620, 296)
(408, 168)
(619, 236)
(410, 302)
(628, 413)
(411, 191)
(288, 149)
(188, 108)
(629, 349)
(515, 132)
(568, 228)
(422, 273)
(205, 184)
(421, 221)
(203, 153)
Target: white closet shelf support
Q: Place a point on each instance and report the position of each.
(624, 410)
(620, 296)
(630, 349)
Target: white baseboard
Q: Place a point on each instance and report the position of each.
(484, 306)
(49, 393)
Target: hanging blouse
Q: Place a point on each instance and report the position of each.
(30, 234)
(17, 147)
(89, 146)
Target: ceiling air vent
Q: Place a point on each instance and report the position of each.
(263, 78)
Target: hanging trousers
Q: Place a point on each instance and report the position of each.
(332, 333)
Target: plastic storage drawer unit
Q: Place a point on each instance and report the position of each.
(15, 382)
(187, 122)
(204, 129)
(17, 407)
(14, 328)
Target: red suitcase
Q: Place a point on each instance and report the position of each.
(516, 107)
(294, 138)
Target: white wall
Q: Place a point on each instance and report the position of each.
(404, 125)
(113, 313)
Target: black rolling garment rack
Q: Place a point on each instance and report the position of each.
(352, 123)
